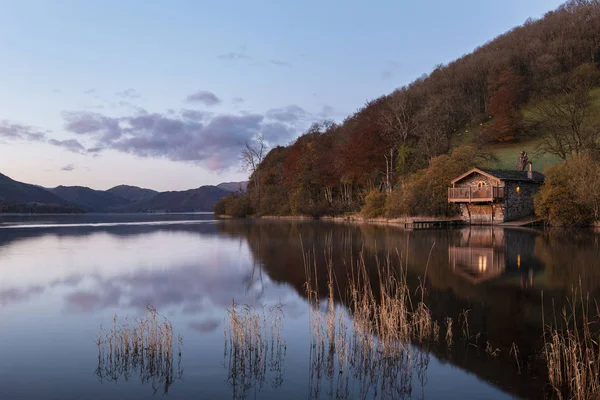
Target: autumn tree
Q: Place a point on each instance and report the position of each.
(506, 88)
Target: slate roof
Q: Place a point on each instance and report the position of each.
(508, 175)
(504, 175)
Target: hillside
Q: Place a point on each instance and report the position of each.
(203, 198)
(132, 193)
(535, 88)
(233, 186)
(91, 200)
(12, 191)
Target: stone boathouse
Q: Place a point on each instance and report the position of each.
(490, 196)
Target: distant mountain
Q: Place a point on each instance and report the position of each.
(233, 186)
(22, 197)
(89, 199)
(200, 199)
(12, 191)
(133, 193)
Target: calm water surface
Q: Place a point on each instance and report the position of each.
(63, 277)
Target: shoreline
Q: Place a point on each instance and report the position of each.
(401, 221)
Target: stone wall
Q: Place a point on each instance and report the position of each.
(481, 214)
(519, 204)
(475, 178)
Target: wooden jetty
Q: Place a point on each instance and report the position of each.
(431, 224)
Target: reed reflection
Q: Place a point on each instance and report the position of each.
(144, 349)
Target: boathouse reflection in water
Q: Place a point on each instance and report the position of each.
(482, 254)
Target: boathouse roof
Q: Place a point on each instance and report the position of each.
(504, 175)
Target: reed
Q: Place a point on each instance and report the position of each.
(254, 348)
(144, 348)
(572, 349)
(369, 343)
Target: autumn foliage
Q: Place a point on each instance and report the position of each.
(401, 144)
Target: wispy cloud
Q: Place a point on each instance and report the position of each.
(203, 96)
(68, 167)
(129, 94)
(69, 144)
(12, 130)
(234, 56)
(90, 91)
(280, 63)
(237, 100)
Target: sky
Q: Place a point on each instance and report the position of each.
(164, 94)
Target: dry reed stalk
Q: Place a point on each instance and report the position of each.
(374, 347)
(254, 348)
(572, 350)
(145, 347)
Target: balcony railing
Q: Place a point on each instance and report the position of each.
(475, 195)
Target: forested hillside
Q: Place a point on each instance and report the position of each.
(534, 87)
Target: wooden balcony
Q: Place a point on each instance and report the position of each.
(469, 194)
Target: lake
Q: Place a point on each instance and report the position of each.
(72, 286)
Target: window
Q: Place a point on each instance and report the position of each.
(481, 185)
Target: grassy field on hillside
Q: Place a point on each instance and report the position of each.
(507, 153)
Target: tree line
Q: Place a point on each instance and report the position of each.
(397, 154)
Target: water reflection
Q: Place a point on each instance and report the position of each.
(254, 349)
(81, 275)
(145, 348)
(479, 255)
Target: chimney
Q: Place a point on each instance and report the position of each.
(530, 172)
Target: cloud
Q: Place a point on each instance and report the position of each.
(280, 63)
(89, 91)
(85, 122)
(290, 114)
(234, 56)
(205, 326)
(14, 131)
(68, 167)
(129, 94)
(69, 144)
(214, 141)
(237, 100)
(11, 130)
(205, 97)
(195, 115)
(211, 140)
(327, 112)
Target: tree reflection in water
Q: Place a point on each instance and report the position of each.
(144, 348)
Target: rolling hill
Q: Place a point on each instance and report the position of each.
(12, 191)
(234, 186)
(90, 199)
(133, 193)
(203, 198)
(17, 196)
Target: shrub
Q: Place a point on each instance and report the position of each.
(374, 204)
(571, 193)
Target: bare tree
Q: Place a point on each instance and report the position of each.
(562, 112)
(397, 122)
(252, 156)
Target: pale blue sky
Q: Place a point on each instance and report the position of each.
(97, 93)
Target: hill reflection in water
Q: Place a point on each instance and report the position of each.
(74, 278)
